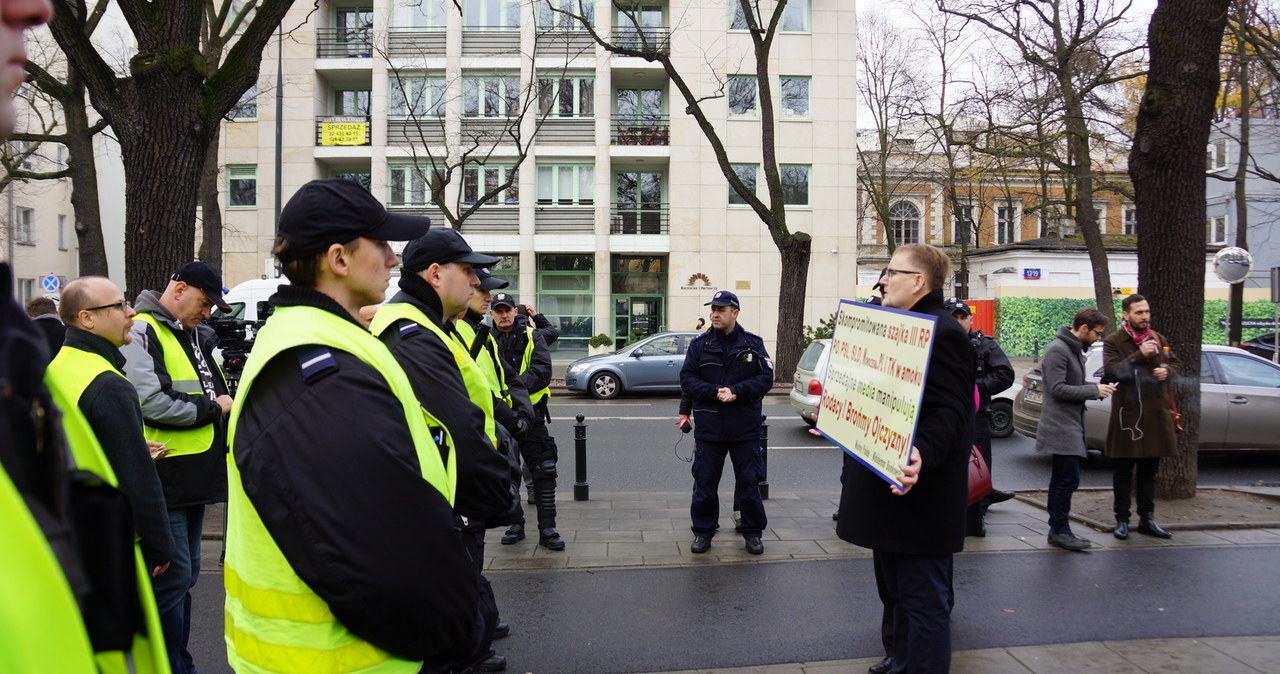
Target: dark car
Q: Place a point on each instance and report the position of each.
(651, 364)
(1262, 345)
(1239, 401)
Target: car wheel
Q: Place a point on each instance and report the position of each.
(605, 386)
(1001, 418)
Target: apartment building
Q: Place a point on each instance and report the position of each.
(618, 220)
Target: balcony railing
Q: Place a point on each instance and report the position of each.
(643, 217)
(344, 43)
(344, 130)
(421, 130)
(646, 40)
(648, 130)
(556, 130)
(411, 42)
(557, 218)
(567, 43)
(488, 219)
(486, 40)
(489, 130)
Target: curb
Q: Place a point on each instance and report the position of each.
(1175, 526)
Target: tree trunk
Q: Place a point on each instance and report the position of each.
(85, 207)
(1086, 221)
(211, 208)
(792, 289)
(1167, 168)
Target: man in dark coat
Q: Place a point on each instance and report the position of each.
(915, 531)
(1139, 361)
(44, 313)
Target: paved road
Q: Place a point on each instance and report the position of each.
(629, 620)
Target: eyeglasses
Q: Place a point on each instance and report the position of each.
(889, 271)
(122, 305)
(1097, 333)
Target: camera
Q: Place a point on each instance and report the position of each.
(235, 339)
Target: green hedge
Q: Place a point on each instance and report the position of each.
(1021, 321)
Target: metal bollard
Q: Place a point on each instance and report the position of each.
(1035, 344)
(764, 457)
(581, 490)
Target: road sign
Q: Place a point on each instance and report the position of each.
(1031, 274)
(50, 283)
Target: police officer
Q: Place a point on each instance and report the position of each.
(436, 282)
(525, 350)
(726, 373)
(342, 542)
(995, 374)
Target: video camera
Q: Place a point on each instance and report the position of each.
(235, 339)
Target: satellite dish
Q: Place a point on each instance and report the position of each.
(1232, 264)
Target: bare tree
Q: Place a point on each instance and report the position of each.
(1167, 166)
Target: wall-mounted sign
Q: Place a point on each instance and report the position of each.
(742, 285)
(698, 281)
(344, 133)
(1031, 274)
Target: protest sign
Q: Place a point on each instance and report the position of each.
(875, 380)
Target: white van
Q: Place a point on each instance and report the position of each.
(244, 299)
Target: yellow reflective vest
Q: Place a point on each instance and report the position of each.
(185, 380)
(545, 392)
(274, 622)
(494, 375)
(70, 373)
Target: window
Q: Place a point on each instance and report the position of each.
(1216, 156)
(567, 184)
(737, 20)
(508, 269)
(351, 102)
(1241, 371)
(26, 149)
(242, 185)
(492, 96)
(1218, 229)
(365, 180)
(1130, 221)
(409, 185)
(477, 181)
(1006, 224)
(568, 97)
(62, 232)
(795, 18)
(562, 20)
(747, 174)
(491, 14)
(60, 157)
(25, 232)
(247, 106)
(904, 217)
(742, 95)
(416, 96)
(962, 221)
(795, 184)
(795, 96)
(355, 30)
(662, 346)
(421, 13)
(566, 296)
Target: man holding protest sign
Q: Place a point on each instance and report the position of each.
(915, 529)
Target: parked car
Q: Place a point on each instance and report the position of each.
(811, 372)
(651, 364)
(1239, 401)
(1262, 345)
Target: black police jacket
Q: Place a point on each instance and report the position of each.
(995, 374)
(739, 361)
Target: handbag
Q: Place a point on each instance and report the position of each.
(979, 476)
(1178, 425)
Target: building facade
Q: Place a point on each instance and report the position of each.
(1262, 196)
(618, 219)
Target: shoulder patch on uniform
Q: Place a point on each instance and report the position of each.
(408, 328)
(316, 361)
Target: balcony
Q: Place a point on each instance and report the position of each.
(579, 130)
(490, 40)
(343, 130)
(568, 44)
(648, 41)
(416, 42)
(651, 130)
(489, 130)
(415, 131)
(642, 217)
(488, 219)
(554, 219)
(344, 43)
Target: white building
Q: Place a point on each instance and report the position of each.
(620, 220)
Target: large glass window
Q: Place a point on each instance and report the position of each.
(409, 185)
(492, 96)
(743, 95)
(242, 185)
(247, 106)
(737, 19)
(351, 102)
(747, 174)
(508, 269)
(1130, 221)
(904, 217)
(637, 274)
(564, 19)
(795, 18)
(963, 229)
(478, 181)
(422, 13)
(25, 232)
(491, 14)
(795, 184)
(566, 184)
(568, 97)
(566, 296)
(639, 106)
(1006, 224)
(795, 96)
(416, 96)
(1217, 233)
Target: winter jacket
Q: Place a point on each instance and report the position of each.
(1141, 424)
(995, 374)
(739, 361)
(1061, 426)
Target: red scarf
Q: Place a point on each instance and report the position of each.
(1138, 337)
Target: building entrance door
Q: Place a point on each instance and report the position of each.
(636, 317)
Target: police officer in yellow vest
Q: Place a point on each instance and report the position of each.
(418, 325)
(184, 400)
(343, 550)
(104, 428)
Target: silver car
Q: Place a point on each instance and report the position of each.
(1239, 401)
(651, 364)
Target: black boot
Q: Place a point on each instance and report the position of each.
(1122, 529)
(550, 539)
(514, 534)
(544, 490)
(999, 496)
(1147, 525)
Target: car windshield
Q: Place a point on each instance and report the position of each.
(809, 360)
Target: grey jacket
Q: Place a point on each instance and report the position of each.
(144, 367)
(1061, 427)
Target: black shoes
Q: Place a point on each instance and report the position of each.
(1069, 541)
(514, 534)
(999, 496)
(700, 545)
(550, 539)
(1122, 529)
(881, 667)
(494, 663)
(754, 546)
(502, 629)
(1148, 526)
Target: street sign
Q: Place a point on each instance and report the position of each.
(50, 283)
(1031, 274)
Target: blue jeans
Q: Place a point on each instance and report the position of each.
(172, 588)
(1062, 484)
(920, 597)
(708, 466)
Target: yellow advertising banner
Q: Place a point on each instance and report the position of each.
(874, 383)
(344, 133)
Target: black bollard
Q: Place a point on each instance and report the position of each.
(764, 457)
(581, 490)
(1035, 344)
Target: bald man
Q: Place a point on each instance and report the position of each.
(98, 321)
